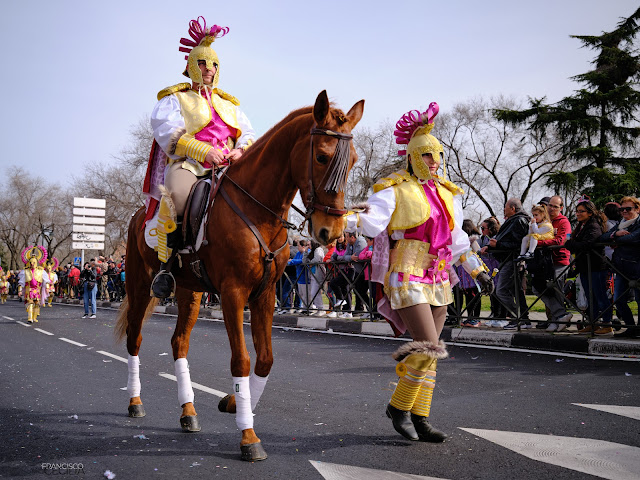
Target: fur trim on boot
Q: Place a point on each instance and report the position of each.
(166, 195)
(438, 351)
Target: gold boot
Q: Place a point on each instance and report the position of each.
(417, 361)
(166, 224)
(422, 407)
(29, 308)
(36, 312)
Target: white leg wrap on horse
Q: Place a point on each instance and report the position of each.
(133, 383)
(242, 391)
(185, 390)
(256, 387)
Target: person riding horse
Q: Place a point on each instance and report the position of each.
(198, 127)
(415, 217)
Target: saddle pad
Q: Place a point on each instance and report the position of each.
(151, 238)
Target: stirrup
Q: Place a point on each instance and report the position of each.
(160, 287)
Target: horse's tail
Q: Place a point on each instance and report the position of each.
(120, 329)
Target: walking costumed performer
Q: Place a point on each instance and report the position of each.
(35, 280)
(4, 286)
(51, 266)
(415, 216)
(196, 127)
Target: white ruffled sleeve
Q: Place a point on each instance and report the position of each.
(248, 135)
(166, 120)
(381, 206)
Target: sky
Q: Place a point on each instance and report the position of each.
(77, 75)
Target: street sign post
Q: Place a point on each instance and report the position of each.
(88, 224)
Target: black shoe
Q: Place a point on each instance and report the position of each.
(426, 433)
(402, 423)
(542, 325)
(628, 333)
(163, 285)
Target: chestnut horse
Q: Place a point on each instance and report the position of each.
(310, 150)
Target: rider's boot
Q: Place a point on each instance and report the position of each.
(164, 284)
(416, 365)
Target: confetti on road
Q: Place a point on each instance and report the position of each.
(141, 437)
(109, 474)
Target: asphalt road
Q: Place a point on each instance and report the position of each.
(322, 413)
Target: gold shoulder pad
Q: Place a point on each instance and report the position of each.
(452, 187)
(173, 89)
(228, 96)
(394, 179)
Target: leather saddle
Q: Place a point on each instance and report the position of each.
(194, 212)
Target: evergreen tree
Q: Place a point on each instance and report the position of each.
(598, 124)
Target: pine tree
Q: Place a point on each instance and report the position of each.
(598, 123)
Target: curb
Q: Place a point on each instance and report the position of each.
(532, 340)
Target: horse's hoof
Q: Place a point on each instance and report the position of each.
(189, 423)
(136, 411)
(253, 452)
(227, 404)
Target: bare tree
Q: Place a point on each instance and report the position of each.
(492, 160)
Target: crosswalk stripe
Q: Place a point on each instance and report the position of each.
(43, 331)
(22, 323)
(8, 318)
(594, 457)
(197, 386)
(107, 354)
(625, 411)
(335, 471)
(72, 342)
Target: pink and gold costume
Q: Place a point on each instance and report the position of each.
(35, 280)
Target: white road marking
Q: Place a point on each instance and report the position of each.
(197, 386)
(631, 412)
(594, 457)
(72, 342)
(22, 323)
(8, 318)
(123, 360)
(43, 331)
(335, 471)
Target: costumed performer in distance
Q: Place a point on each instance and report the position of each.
(196, 127)
(415, 216)
(34, 280)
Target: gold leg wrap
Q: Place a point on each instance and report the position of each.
(413, 372)
(36, 311)
(422, 404)
(166, 225)
(29, 312)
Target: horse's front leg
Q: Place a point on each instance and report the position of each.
(232, 307)
(188, 309)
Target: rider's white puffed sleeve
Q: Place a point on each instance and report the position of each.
(167, 122)
(461, 251)
(248, 135)
(381, 206)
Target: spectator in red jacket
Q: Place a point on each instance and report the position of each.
(74, 281)
(554, 299)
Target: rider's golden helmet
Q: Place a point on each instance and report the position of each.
(199, 49)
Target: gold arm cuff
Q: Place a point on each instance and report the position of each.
(477, 271)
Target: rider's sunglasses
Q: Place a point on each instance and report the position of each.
(625, 209)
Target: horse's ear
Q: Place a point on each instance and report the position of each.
(355, 114)
(321, 108)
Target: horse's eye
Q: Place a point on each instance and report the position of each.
(322, 159)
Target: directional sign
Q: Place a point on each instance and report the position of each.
(88, 228)
(88, 220)
(87, 246)
(96, 212)
(76, 260)
(89, 202)
(87, 237)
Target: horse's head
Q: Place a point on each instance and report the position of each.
(327, 167)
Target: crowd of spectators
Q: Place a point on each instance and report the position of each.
(600, 254)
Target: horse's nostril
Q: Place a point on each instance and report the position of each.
(323, 236)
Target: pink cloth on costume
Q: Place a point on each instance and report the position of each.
(216, 133)
(435, 231)
(34, 293)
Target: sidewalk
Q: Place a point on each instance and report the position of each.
(568, 341)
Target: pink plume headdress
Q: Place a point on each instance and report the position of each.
(37, 252)
(199, 32)
(411, 121)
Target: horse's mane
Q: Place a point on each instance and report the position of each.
(294, 114)
(291, 116)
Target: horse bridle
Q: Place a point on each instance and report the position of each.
(311, 204)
